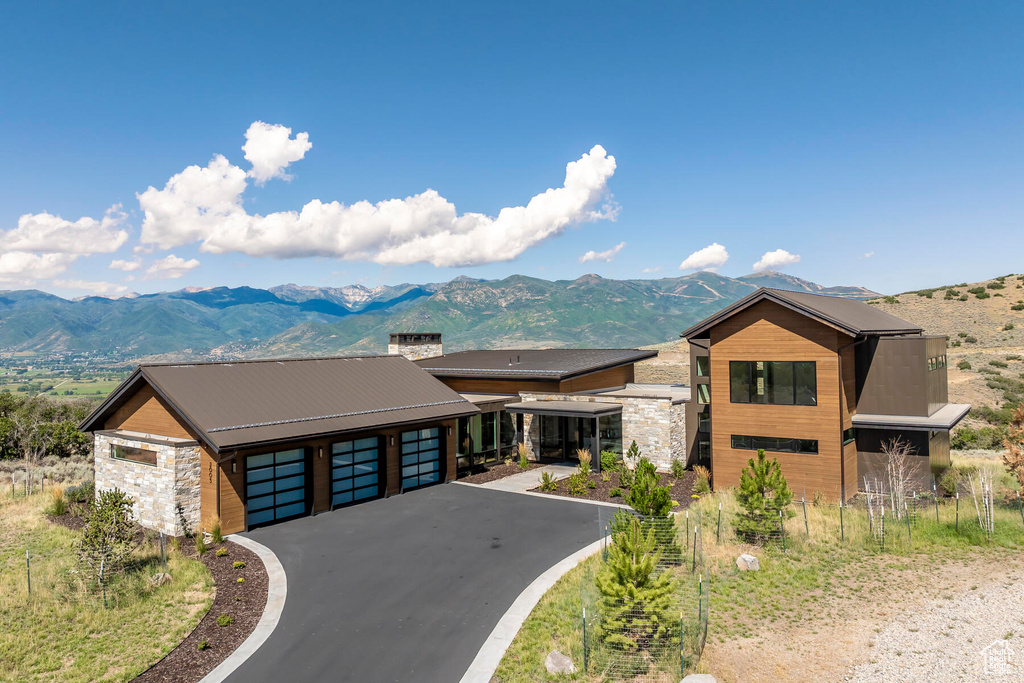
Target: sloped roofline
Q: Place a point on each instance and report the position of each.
(778, 297)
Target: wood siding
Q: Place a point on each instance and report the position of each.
(769, 332)
(209, 482)
(146, 412)
(602, 379)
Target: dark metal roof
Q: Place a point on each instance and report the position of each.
(847, 315)
(549, 364)
(945, 418)
(565, 408)
(243, 403)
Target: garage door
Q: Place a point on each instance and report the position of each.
(421, 458)
(355, 471)
(275, 486)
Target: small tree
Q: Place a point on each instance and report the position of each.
(632, 457)
(646, 496)
(763, 494)
(898, 459)
(108, 539)
(636, 600)
(1013, 458)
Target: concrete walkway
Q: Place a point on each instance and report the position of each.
(524, 481)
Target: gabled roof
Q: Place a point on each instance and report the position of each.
(543, 364)
(853, 317)
(240, 404)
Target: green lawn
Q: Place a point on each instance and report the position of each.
(62, 633)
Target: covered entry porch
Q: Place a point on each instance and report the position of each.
(556, 429)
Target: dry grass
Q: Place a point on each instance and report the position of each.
(64, 633)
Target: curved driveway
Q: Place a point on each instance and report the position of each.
(408, 588)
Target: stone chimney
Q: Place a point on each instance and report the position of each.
(415, 345)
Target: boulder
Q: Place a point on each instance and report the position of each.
(700, 678)
(747, 563)
(557, 663)
(160, 579)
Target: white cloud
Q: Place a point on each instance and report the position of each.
(710, 258)
(868, 255)
(205, 205)
(170, 267)
(773, 260)
(127, 266)
(19, 267)
(45, 233)
(605, 256)
(270, 148)
(652, 269)
(101, 288)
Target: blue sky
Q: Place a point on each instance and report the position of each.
(879, 142)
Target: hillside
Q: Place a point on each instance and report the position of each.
(984, 322)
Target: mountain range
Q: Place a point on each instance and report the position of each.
(291, 320)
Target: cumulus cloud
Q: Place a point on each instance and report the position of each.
(96, 287)
(868, 254)
(170, 267)
(19, 267)
(205, 205)
(651, 269)
(605, 256)
(44, 233)
(773, 260)
(711, 257)
(127, 266)
(270, 148)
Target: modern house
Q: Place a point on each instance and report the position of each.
(254, 442)
(819, 382)
(257, 442)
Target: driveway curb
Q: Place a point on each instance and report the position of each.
(277, 592)
(545, 496)
(489, 657)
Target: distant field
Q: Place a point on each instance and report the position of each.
(62, 387)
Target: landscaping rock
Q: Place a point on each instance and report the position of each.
(701, 678)
(747, 563)
(557, 663)
(160, 579)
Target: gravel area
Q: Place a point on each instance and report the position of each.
(945, 641)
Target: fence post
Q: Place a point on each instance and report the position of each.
(842, 528)
(693, 567)
(28, 573)
(682, 659)
(718, 534)
(687, 529)
(585, 661)
(782, 528)
(958, 511)
(807, 529)
(907, 513)
(935, 495)
(1020, 507)
(882, 526)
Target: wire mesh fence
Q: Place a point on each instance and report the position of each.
(644, 606)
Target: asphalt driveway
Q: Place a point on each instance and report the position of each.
(408, 588)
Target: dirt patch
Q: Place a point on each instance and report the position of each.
(244, 602)
(680, 490)
(497, 472)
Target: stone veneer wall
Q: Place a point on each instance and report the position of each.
(658, 427)
(416, 351)
(157, 489)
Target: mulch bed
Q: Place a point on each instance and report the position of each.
(243, 601)
(680, 489)
(498, 472)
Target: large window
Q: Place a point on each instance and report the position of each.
(774, 382)
(849, 436)
(609, 429)
(704, 422)
(140, 455)
(772, 443)
(485, 438)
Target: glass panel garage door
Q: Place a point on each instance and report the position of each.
(275, 486)
(421, 458)
(354, 471)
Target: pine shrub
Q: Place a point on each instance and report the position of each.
(763, 494)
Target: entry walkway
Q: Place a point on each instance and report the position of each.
(524, 481)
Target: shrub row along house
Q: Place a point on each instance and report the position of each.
(819, 382)
(256, 442)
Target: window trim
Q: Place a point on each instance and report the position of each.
(697, 366)
(849, 436)
(751, 384)
(702, 400)
(115, 446)
(733, 439)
